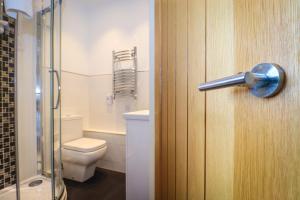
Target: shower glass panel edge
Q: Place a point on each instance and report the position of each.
(55, 99)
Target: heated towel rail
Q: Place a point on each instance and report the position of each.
(125, 73)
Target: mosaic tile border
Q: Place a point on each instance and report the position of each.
(7, 106)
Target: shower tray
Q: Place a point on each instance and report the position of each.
(38, 192)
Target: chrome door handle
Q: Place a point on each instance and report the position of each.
(58, 88)
(264, 80)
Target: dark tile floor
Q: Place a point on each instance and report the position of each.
(105, 185)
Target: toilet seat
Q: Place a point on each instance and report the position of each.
(85, 145)
(82, 158)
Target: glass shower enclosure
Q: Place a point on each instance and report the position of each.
(48, 97)
(38, 161)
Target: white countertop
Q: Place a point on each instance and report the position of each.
(137, 115)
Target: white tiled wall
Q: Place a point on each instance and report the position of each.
(75, 95)
(26, 98)
(114, 158)
(86, 96)
(103, 116)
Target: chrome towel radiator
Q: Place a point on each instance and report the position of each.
(125, 73)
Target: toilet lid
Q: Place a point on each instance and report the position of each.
(85, 145)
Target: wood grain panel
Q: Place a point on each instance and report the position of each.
(171, 78)
(164, 100)
(182, 106)
(220, 103)
(251, 146)
(267, 131)
(181, 99)
(196, 100)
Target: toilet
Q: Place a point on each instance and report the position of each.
(79, 154)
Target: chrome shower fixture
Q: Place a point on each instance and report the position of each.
(3, 24)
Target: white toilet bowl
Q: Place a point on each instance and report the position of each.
(80, 157)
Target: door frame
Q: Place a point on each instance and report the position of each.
(158, 95)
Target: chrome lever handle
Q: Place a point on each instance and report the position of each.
(264, 80)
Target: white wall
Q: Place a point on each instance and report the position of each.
(75, 29)
(75, 60)
(26, 70)
(91, 31)
(117, 25)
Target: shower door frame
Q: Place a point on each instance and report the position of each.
(40, 95)
(55, 4)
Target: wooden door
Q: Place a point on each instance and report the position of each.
(226, 144)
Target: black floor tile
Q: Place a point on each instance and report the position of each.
(105, 185)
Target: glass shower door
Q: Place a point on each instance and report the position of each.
(55, 99)
(50, 107)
